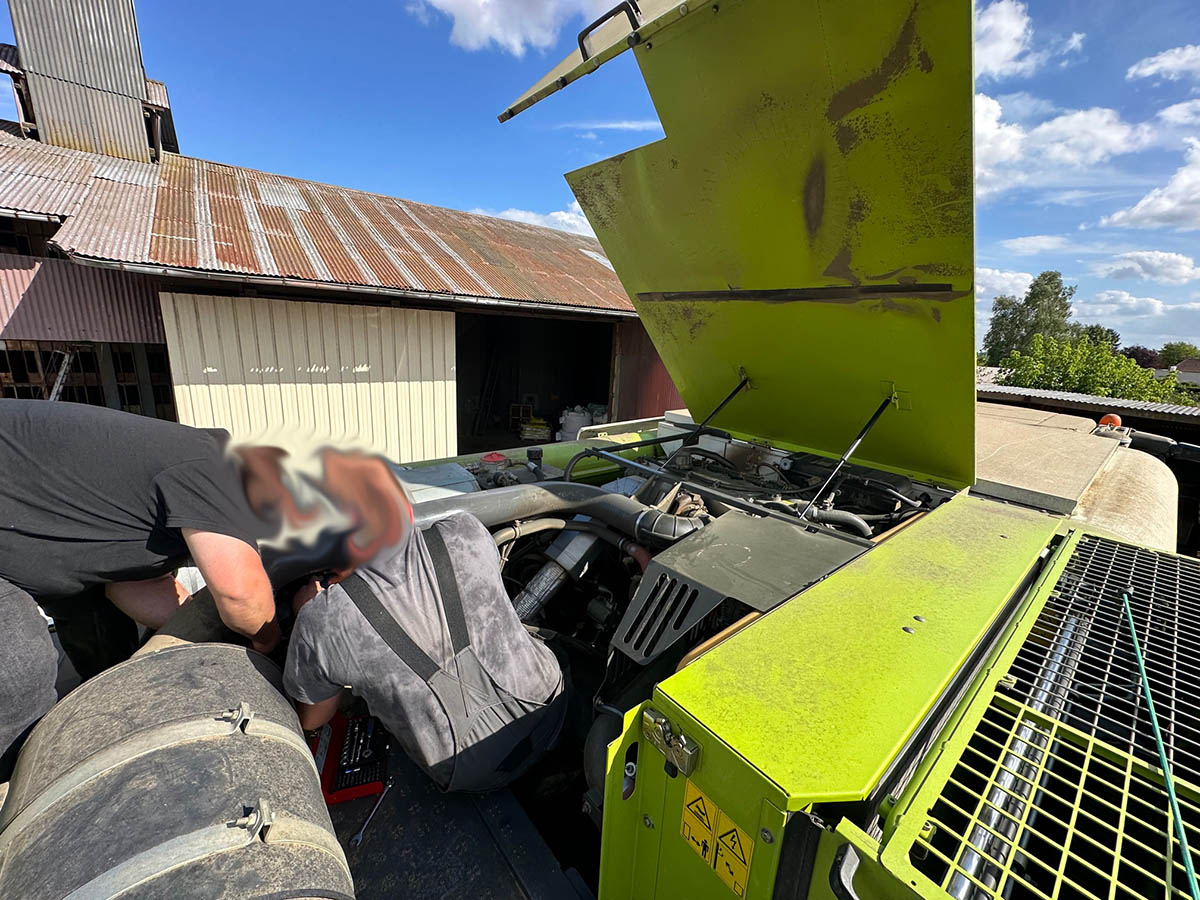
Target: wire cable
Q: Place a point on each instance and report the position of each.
(1168, 781)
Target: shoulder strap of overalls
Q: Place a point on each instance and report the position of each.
(456, 619)
(389, 629)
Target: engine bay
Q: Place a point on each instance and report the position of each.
(631, 579)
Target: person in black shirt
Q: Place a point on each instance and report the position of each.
(98, 508)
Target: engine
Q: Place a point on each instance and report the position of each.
(632, 579)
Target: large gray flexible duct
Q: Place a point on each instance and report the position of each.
(526, 501)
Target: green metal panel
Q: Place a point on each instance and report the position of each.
(809, 220)
(821, 693)
(644, 854)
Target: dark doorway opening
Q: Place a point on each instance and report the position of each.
(509, 368)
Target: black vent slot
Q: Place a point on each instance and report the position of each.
(665, 607)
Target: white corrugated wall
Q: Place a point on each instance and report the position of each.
(291, 372)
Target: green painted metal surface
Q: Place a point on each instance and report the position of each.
(808, 219)
(821, 693)
(644, 854)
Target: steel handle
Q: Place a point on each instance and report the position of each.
(841, 876)
(629, 7)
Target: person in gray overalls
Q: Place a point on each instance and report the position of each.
(426, 634)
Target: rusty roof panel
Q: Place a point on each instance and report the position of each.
(290, 257)
(34, 182)
(341, 265)
(82, 118)
(106, 213)
(193, 214)
(55, 300)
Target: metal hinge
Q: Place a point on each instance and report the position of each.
(680, 750)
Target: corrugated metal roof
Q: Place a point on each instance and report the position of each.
(82, 118)
(10, 63)
(1089, 401)
(191, 214)
(94, 43)
(156, 94)
(42, 179)
(54, 300)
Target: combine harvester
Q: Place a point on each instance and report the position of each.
(838, 643)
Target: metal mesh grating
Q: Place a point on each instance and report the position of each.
(1063, 818)
(1078, 664)
(1058, 794)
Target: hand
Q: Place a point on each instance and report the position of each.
(268, 638)
(306, 593)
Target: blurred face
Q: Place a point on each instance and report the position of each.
(355, 493)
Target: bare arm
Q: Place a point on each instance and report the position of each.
(239, 585)
(151, 602)
(314, 715)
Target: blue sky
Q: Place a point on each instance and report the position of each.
(1087, 124)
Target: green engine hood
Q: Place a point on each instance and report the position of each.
(808, 219)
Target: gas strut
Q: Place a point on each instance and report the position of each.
(866, 429)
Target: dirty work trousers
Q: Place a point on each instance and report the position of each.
(28, 670)
(94, 634)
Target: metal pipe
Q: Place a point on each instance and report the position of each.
(994, 833)
(841, 517)
(502, 506)
(710, 493)
(694, 431)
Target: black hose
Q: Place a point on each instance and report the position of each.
(501, 506)
(533, 526)
(838, 517)
(711, 455)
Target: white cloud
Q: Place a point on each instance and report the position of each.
(1033, 244)
(1185, 113)
(511, 25)
(991, 283)
(1154, 265)
(1003, 41)
(1004, 44)
(1173, 64)
(1118, 306)
(998, 145)
(618, 125)
(1073, 44)
(1022, 106)
(1174, 205)
(570, 219)
(1062, 151)
(1086, 137)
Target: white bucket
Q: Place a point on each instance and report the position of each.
(571, 423)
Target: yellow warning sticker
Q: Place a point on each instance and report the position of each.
(732, 853)
(716, 838)
(696, 823)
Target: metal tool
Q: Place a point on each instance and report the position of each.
(358, 838)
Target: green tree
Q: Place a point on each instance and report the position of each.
(1174, 352)
(1045, 309)
(1086, 367)
(1098, 334)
